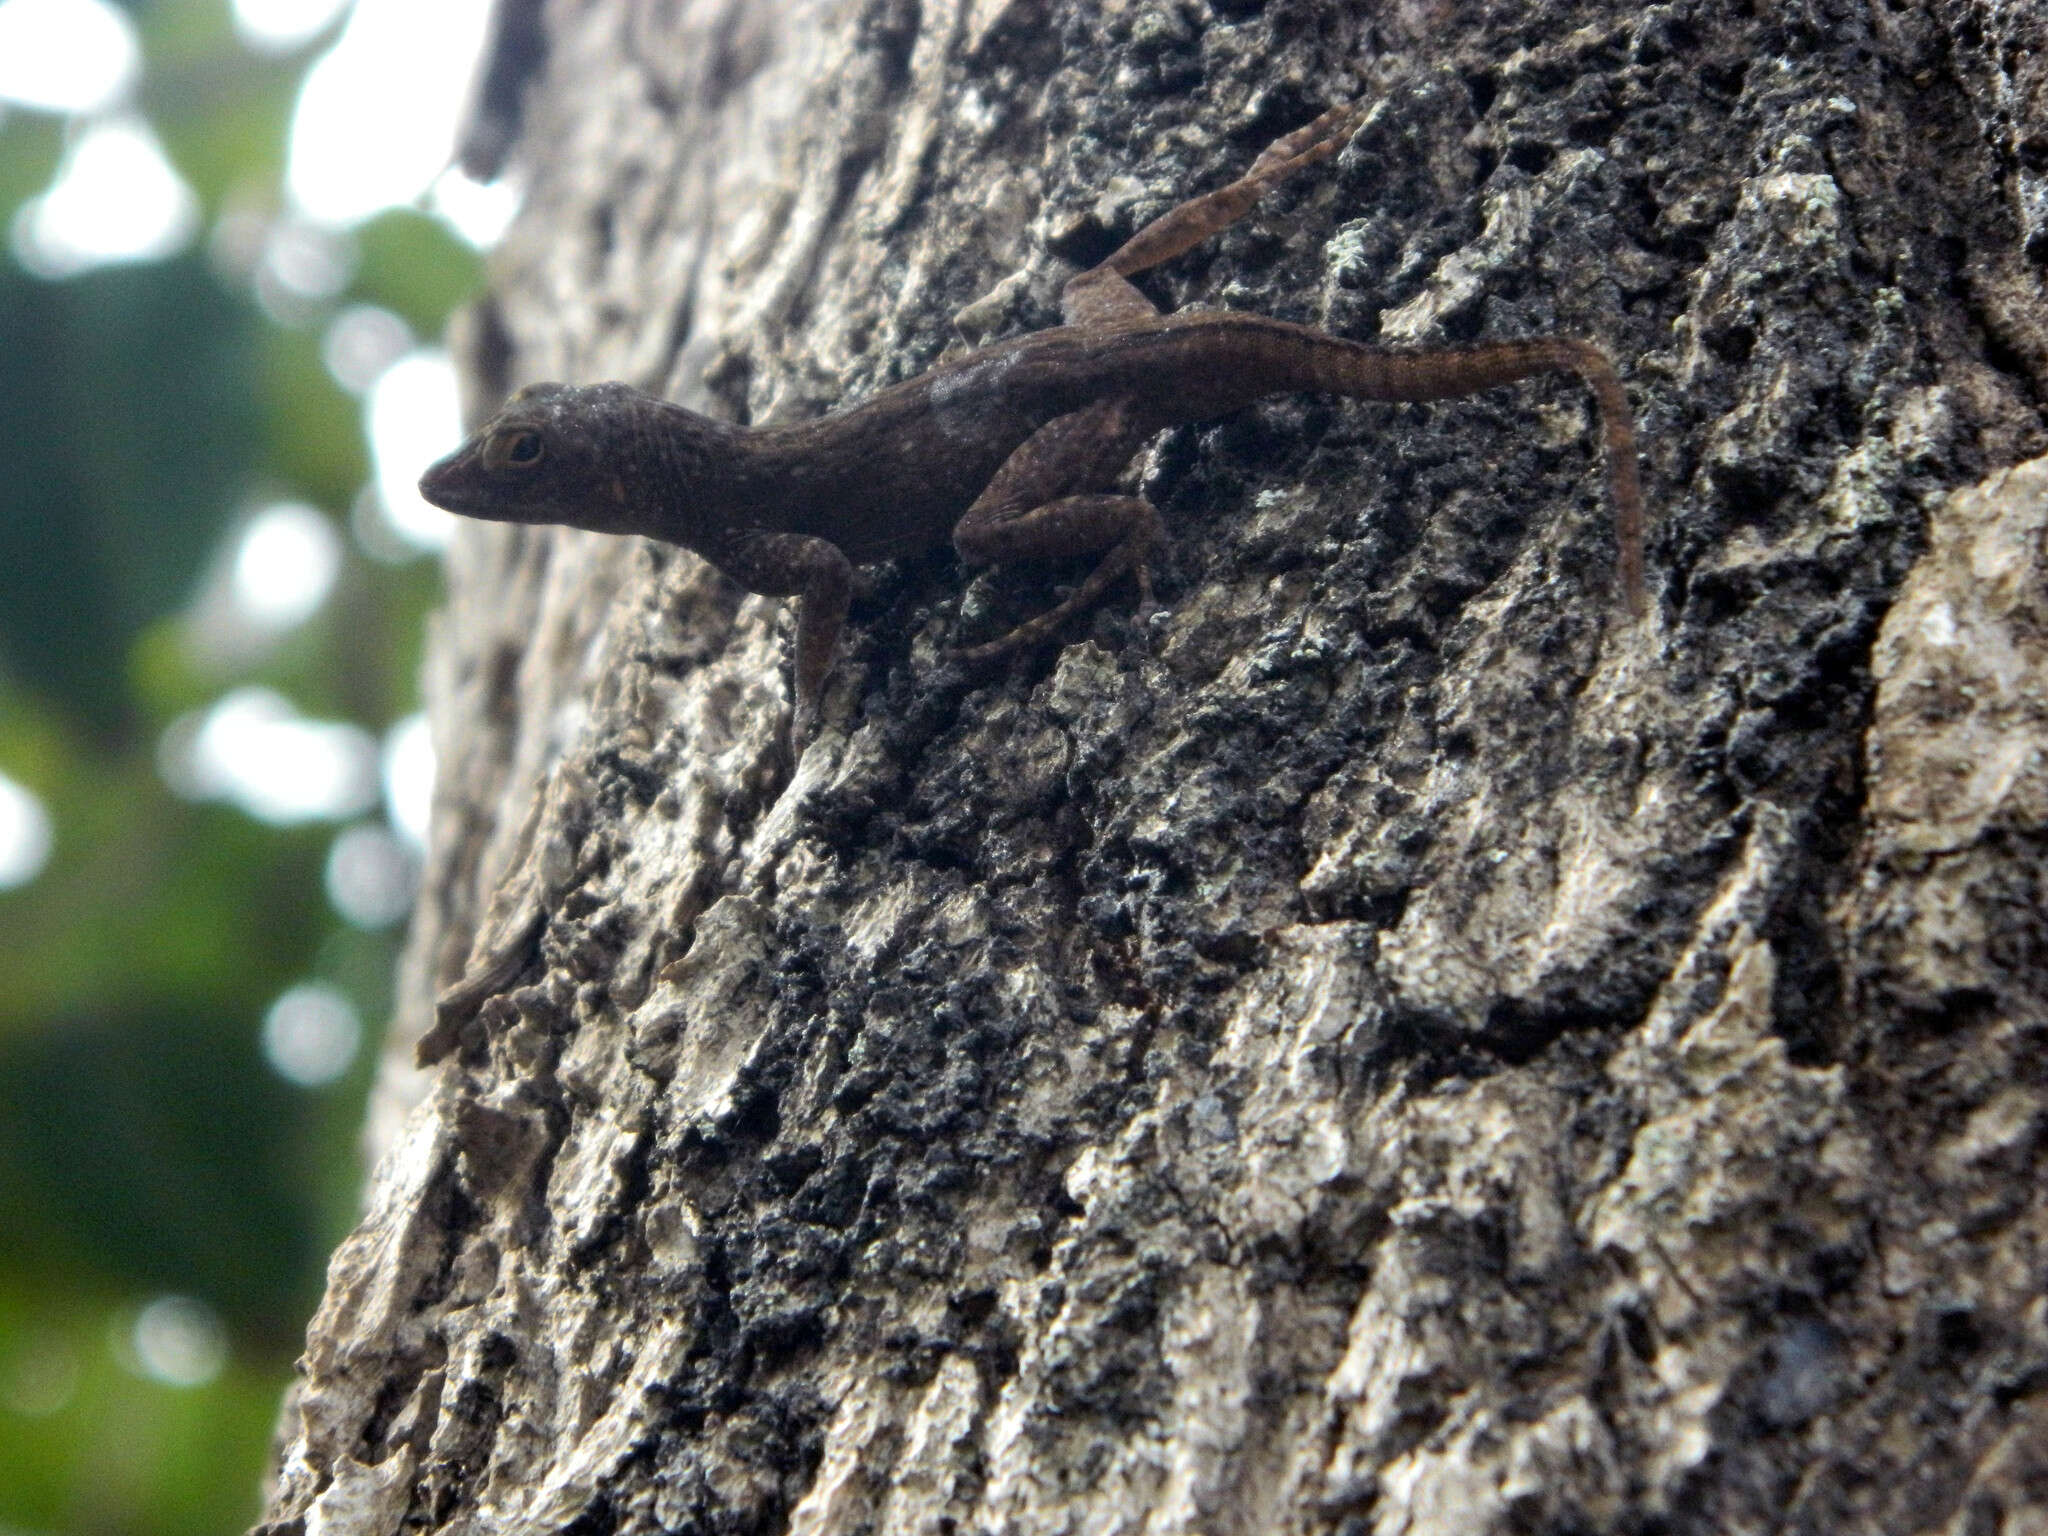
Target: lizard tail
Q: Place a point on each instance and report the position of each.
(1369, 373)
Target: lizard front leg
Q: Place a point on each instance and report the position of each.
(1047, 503)
(817, 573)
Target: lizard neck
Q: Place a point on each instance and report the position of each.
(665, 472)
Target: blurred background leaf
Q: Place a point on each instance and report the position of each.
(132, 406)
(212, 773)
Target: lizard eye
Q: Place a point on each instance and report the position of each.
(520, 448)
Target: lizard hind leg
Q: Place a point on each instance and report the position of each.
(1102, 293)
(1128, 525)
(1050, 501)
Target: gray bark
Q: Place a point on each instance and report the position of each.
(1389, 1048)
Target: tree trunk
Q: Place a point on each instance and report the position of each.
(1388, 1046)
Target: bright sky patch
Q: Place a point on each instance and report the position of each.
(66, 55)
(278, 26)
(414, 418)
(377, 114)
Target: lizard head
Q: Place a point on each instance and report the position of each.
(552, 454)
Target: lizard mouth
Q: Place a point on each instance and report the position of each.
(442, 485)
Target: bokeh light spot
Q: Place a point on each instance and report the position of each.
(25, 835)
(361, 343)
(370, 876)
(115, 198)
(179, 1342)
(40, 1376)
(301, 266)
(253, 749)
(409, 766)
(311, 1035)
(285, 564)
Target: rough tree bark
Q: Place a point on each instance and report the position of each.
(1389, 1048)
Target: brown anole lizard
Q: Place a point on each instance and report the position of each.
(1012, 451)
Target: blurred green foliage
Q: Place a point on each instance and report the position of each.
(146, 1148)
(121, 455)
